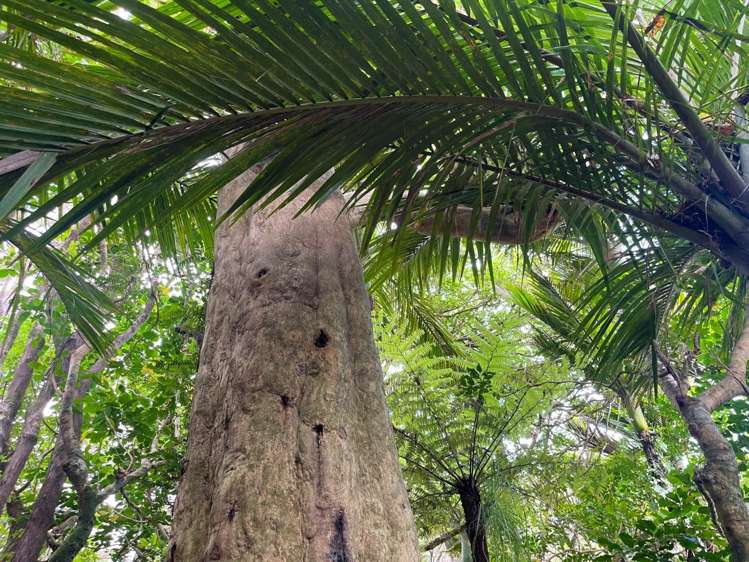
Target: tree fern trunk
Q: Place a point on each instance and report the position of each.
(290, 455)
(470, 500)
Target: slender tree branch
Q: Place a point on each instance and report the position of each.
(443, 538)
(16, 391)
(734, 382)
(63, 462)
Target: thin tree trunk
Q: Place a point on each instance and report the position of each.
(75, 465)
(34, 536)
(291, 455)
(17, 389)
(41, 518)
(89, 497)
(10, 335)
(719, 479)
(644, 436)
(465, 548)
(10, 309)
(42, 515)
(470, 500)
(34, 415)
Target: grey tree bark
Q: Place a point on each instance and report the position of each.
(16, 390)
(34, 536)
(34, 414)
(719, 479)
(291, 455)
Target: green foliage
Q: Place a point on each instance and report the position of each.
(541, 114)
(678, 523)
(466, 415)
(518, 108)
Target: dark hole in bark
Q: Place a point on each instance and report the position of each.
(322, 339)
(285, 401)
(318, 429)
(338, 546)
(262, 273)
(232, 513)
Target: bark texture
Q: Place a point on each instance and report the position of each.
(19, 383)
(719, 478)
(33, 420)
(291, 455)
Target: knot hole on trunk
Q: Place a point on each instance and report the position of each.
(322, 339)
(318, 429)
(262, 273)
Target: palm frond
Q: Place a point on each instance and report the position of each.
(419, 108)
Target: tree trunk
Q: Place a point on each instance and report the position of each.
(645, 437)
(33, 420)
(17, 389)
(9, 309)
(719, 479)
(34, 536)
(465, 548)
(291, 455)
(470, 499)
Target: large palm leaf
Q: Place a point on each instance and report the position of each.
(419, 107)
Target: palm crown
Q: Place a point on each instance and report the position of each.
(626, 122)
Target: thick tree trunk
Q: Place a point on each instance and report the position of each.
(470, 500)
(290, 454)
